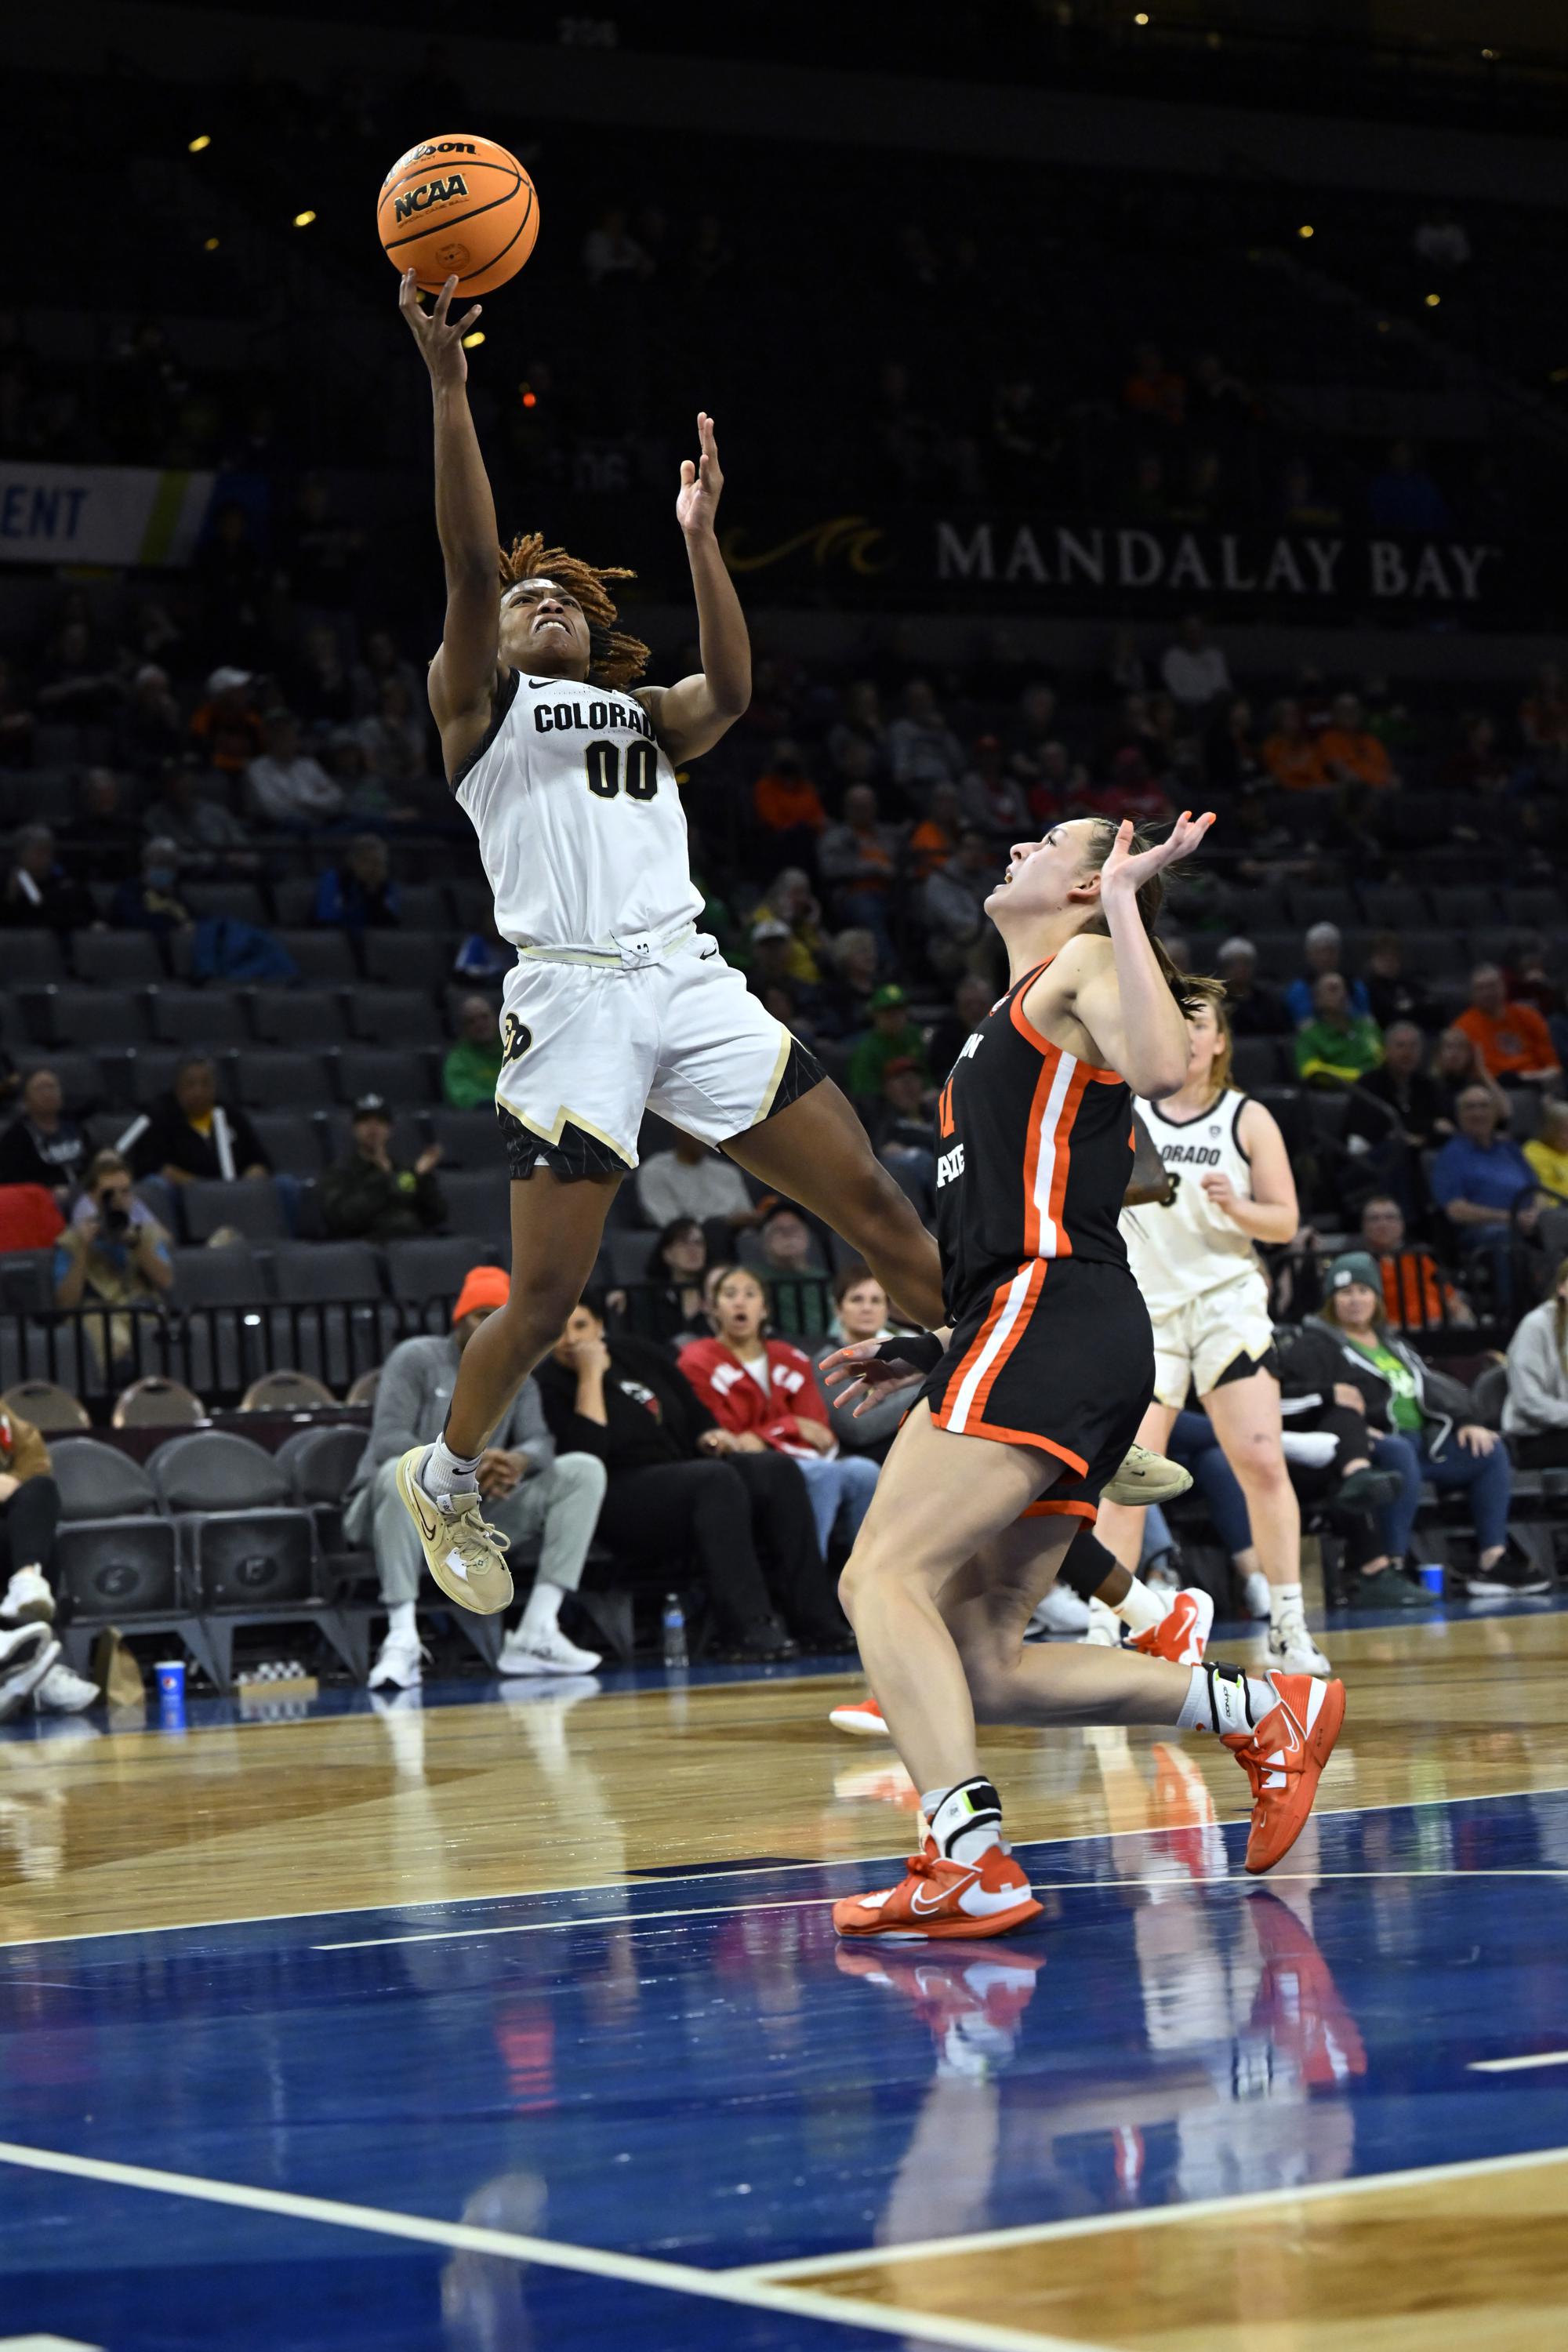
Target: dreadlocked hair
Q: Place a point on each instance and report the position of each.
(1190, 989)
(613, 658)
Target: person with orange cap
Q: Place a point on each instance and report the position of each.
(529, 1489)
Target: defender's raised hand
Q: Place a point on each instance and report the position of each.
(439, 338)
(697, 502)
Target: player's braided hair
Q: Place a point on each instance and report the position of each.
(1189, 989)
(613, 658)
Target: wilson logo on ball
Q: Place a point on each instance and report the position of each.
(434, 191)
(444, 147)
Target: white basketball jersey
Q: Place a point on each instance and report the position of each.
(579, 818)
(1178, 1252)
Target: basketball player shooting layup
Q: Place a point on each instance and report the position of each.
(565, 766)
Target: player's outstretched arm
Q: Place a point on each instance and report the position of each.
(690, 717)
(1126, 1004)
(463, 673)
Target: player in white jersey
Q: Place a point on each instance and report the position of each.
(1194, 1260)
(566, 767)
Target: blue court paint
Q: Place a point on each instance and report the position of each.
(645, 2072)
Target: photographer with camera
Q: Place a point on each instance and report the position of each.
(114, 1253)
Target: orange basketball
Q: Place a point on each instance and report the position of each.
(461, 207)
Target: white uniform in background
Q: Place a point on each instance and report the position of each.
(1199, 1274)
(618, 1002)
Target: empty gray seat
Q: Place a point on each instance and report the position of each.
(271, 1079)
(99, 1481)
(321, 1462)
(150, 1072)
(241, 902)
(210, 1020)
(433, 1266)
(478, 1202)
(251, 1205)
(407, 959)
(115, 1553)
(90, 1017)
(324, 958)
(217, 1277)
(292, 1140)
(395, 1016)
(301, 1017)
(312, 1270)
(216, 1470)
(117, 959)
(423, 905)
(249, 1543)
(30, 958)
(468, 1138)
(405, 1079)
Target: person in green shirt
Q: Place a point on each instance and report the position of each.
(891, 1037)
(470, 1072)
(1337, 1046)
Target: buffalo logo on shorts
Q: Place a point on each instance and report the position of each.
(516, 1038)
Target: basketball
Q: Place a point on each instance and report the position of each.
(457, 206)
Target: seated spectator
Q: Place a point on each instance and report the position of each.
(396, 737)
(1512, 1040)
(1132, 792)
(106, 834)
(529, 1489)
(1058, 783)
(771, 947)
(1290, 750)
(1195, 671)
(790, 900)
(1484, 1185)
(320, 687)
(993, 800)
(1324, 949)
(1412, 1117)
(380, 661)
(1351, 755)
(1478, 766)
(472, 1065)
(952, 903)
(852, 982)
(149, 730)
(1337, 1047)
(208, 837)
(893, 1036)
(787, 804)
(357, 893)
(903, 1133)
(151, 903)
(671, 1310)
(784, 1251)
(285, 787)
(759, 1387)
(1233, 756)
(923, 748)
(859, 861)
(42, 1145)
(1455, 1064)
(1255, 1009)
(40, 895)
(114, 1253)
(1527, 981)
(1391, 994)
(189, 1133)
(681, 1485)
(224, 726)
(972, 1000)
(1414, 1296)
(861, 722)
(1420, 1424)
(365, 1196)
(29, 1515)
(1546, 1152)
(693, 1180)
(79, 683)
(1535, 1413)
(862, 1314)
(935, 837)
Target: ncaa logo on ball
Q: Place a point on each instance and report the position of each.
(431, 192)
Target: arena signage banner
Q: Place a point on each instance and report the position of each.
(101, 514)
(912, 556)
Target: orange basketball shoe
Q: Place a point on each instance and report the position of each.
(1283, 1756)
(861, 1715)
(940, 1898)
(1181, 1632)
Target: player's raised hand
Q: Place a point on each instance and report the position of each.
(696, 501)
(1126, 870)
(439, 336)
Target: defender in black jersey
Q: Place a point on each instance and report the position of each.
(1046, 1373)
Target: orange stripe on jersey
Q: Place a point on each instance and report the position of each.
(995, 1429)
(1075, 1093)
(981, 1341)
(945, 1109)
(980, 1397)
(1037, 1039)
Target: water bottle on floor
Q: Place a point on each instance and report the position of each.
(674, 1630)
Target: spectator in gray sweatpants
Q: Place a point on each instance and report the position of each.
(530, 1490)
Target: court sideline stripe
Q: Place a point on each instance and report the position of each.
(626, 1886)
(1200, 2208)
(593, 2262)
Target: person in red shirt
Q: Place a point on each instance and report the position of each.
(764, 1393)
(1512, 1040)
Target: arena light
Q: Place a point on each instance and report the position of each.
(1139, 18)
(529, 397)
(201, 140)
(303, 220)
(211, 245)
(1433, 300)
(1306, 229)
(471, 342)
(1490, 56)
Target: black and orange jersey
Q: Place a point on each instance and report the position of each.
(1034, 1155)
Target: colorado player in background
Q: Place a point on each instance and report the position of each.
(1194, 1261)
(1047, 1374)
(565, 765)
